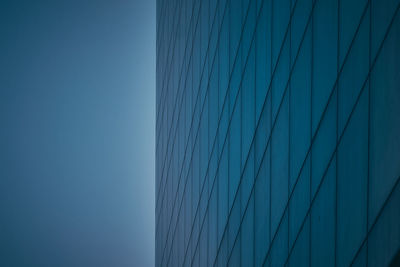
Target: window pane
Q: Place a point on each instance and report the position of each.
(325, 55)
(323, 221)
(385, 121)
(352, 184)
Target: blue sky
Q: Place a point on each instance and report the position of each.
(77, 113)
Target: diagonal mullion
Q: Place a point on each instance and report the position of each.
(187, 143)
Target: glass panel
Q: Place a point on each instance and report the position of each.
(383, 242)
(349, 18)
(354, 73)
(324, 56)
(300, 256)
(323, 221)
(300, 18)
(352, 175)
(324, 144)
(279, 167)
(262, 210)
(248, 105)
(299, 203)
(300, 109)
(280, 79)
(247, 233)
(361, 258)
(263, 59)
(223, 208)
(234, 154)
(385, 121)
(382, 14)
(279, 250)
(281, 13)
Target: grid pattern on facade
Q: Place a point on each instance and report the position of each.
(277, 132)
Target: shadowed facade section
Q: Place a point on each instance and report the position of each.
(277, 133)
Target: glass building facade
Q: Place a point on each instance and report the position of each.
(278, 132)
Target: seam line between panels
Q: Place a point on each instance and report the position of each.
(175, 27)
(216, 136)
(337, 124)
(176, 129)
(311, 119)
(268, 92)
(273, 123)
(164, 74)
(369, 124)
(180, 109)
(164, 190)
(187, 144)
(192, 151)
(312, 141)
(365, 240)
(347, 122)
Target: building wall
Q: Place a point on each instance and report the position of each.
(277, 132)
